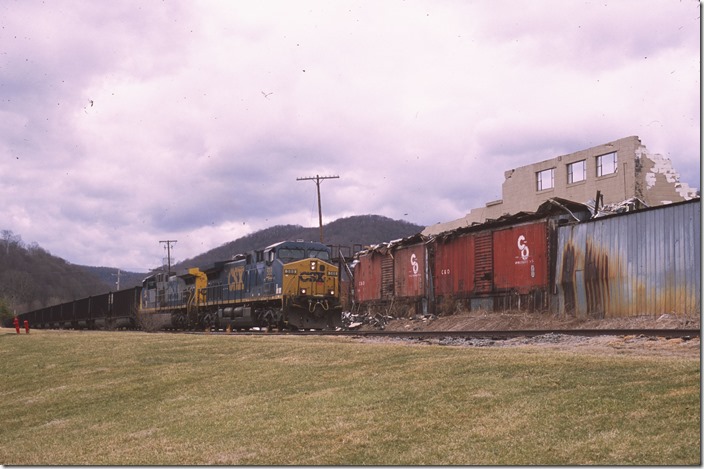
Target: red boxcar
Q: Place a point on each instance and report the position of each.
(367, 277)
(520, 258)
(492, 267)
(454, 268)
(409, 271)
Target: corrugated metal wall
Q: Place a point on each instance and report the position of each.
(640, 263)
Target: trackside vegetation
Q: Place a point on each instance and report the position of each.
(133, 398)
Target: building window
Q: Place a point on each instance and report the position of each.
(606, 164)
(576, 171)
(546, 179)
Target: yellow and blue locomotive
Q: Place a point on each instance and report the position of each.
(288, 285)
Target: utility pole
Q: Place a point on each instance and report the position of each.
(118, 279)
(317, 180)
(168, 251)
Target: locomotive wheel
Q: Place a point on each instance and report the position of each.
(207, 321)
(268, 320)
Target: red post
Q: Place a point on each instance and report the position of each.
(26, 326)
(16, 322)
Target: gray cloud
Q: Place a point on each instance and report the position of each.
(125, 123)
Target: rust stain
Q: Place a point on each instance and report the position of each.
(567, 279)
(596, 279)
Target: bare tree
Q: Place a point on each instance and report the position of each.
(10, 239)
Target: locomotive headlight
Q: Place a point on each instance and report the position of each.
(312, 265)
(332, 292)
(303, 291)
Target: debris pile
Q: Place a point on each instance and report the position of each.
(352, 321)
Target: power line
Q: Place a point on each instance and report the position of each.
(317, 180)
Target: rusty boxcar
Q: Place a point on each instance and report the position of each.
(495, 268)
(392, 275)
(521, 257)
(410, 273)
(503, 264)
(373, 275)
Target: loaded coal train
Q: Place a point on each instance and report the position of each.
(288, 285)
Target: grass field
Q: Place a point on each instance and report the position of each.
(131, 398)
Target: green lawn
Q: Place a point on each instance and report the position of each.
(132, 398)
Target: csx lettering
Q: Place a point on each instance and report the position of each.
(235, 278)
(311, 277)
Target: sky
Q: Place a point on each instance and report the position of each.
(126, 123)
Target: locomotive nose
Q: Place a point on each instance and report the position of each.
(318, 308)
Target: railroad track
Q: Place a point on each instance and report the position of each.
(685, 334)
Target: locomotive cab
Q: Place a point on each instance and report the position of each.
(302, 277)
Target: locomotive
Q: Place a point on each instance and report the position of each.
(288, 285)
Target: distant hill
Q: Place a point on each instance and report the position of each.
(109, 276)
(361, 230)
(32, 278)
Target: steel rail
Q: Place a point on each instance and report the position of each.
(511, 334)
(685, 334)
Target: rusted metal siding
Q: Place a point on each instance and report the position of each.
(641, 263)
(521, 258)
(409, 271)
(454, 267)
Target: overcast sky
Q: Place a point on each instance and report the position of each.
(123, 123)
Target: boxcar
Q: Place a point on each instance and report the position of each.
(409, 276)
(373, 276)
(520, 271)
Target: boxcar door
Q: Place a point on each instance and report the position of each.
(484, 263)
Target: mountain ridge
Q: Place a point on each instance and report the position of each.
(357, 230)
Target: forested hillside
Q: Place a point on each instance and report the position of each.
(360, 230)
(32, 278)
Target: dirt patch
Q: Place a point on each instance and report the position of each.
(484, 321)
(604, 345)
